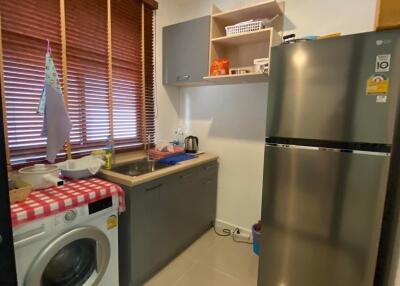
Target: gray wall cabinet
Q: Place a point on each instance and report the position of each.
(164, 217)
(185, 52)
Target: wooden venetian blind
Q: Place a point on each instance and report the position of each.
(25, 27)
(127, 79)
(87, 70)
(108, 67)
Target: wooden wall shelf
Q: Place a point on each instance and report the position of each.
(242, 49)
(239, 78)
(267, 9)
(244, 38)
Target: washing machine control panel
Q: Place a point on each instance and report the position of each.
(81, 214)
(70, 217)
(100, 205)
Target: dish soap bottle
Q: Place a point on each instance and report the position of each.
(179, 137)
(110, 154)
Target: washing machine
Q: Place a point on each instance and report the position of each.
(75, 247)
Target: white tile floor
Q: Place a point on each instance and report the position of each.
(211, 261)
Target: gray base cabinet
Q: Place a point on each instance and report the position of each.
(163, 217)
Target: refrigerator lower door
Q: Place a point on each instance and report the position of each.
(321, 217)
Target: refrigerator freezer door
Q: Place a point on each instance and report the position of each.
(318, 90)
(321, 217)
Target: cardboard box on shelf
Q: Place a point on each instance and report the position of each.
(387, 14)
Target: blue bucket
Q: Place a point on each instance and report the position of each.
(256, 240)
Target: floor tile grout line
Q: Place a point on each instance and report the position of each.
(166, 268)
(229, 274)
(223, 272)
(190, 256)
(198, 259)
(185, 272)
(207, 249)
(219, 269)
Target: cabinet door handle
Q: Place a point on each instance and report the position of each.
(209, 167)
(183, 77)
(186, 175)
(154, 188)
(207, 182)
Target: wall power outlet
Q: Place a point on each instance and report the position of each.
(242, 235)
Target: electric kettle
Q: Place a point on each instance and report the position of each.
(191, 144)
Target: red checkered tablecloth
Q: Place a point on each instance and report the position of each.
(50, 201)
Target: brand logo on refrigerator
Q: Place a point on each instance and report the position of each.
(383, 42)
(382, 63)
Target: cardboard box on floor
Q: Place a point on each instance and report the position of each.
(387, 14)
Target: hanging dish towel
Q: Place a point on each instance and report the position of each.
(56, 123)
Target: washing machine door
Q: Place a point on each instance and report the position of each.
(78, 257)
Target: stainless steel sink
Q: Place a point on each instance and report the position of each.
(138, 168)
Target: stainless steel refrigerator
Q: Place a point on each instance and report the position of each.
(330, 122)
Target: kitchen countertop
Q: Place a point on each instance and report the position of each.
(130, 181)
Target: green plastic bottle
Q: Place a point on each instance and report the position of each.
(110, 154)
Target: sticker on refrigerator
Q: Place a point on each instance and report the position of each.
(382, 63)
(381, 98)
(112, 222)
(377, 84)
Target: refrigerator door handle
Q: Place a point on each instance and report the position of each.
(376, 153)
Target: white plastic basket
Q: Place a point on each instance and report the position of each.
(244, 27)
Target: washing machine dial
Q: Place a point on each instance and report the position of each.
(70, 215)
